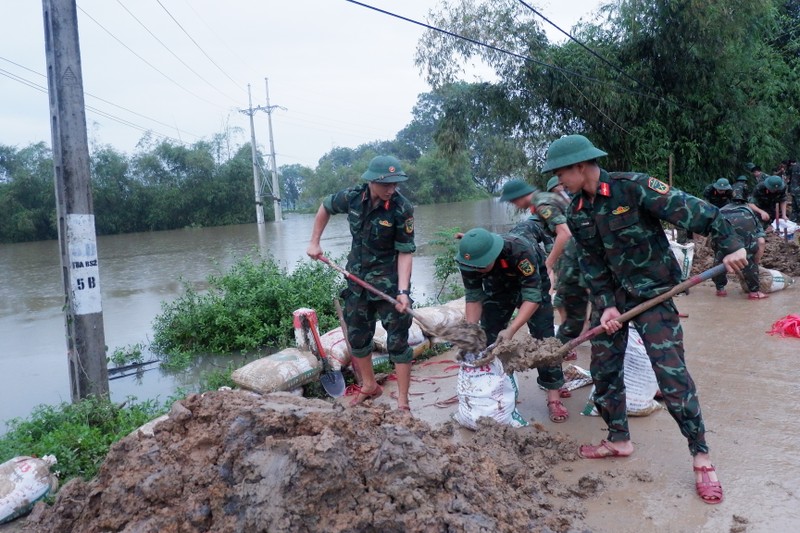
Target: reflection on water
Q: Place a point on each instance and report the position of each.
(140, 271)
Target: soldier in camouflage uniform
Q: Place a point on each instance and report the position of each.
(740, 185)
(625, 256)
(794, 189)
(768, 195)
(748, 227)
(382, 226)
(502, 273)
(548, 209)
(718, 193)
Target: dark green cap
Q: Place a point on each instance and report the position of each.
(384, 169)
(568, 150)
(742, 178)
(722, 184)
(478, 249)
(774, 183)
(515, 189)
(552, 183)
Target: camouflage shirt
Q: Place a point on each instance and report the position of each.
(379, 234)
(533, 230)
(550, 210)
(766, 199)
(621, 242)
(715, 197)
(745, 223)
(740, 191)
(515, 274)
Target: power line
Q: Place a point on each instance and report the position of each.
(197, 45)
(104, 114)
(146, 61)
(211, 29)
(106, 101)
(143, 25)
(562, 70)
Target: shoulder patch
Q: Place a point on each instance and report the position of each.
(657, 185)
(545, 211)
(409, 225)
(526, 267)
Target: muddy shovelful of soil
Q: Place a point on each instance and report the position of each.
(231, 461)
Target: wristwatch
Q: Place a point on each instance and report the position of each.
(404, 291)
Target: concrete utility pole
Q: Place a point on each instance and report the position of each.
(76, 230)
(256, 182)
(276, 188)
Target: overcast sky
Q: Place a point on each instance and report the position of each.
(344, 73)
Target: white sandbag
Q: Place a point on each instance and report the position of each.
(459, 304)
(487, 391)
(434, 318)
(416, 338)
(772, 280)
(24, 481)
(335, 346)
(640, 380)
(684, 254)
(282, 371)
(783, 226)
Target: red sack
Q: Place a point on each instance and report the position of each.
(789, 326)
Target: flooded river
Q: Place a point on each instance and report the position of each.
(138, 272)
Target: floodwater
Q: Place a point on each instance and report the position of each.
(139, 272)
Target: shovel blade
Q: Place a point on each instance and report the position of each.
(333, 383)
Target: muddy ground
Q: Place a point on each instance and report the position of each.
(780, 254)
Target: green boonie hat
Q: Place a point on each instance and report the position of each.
(722, 184)
(384, 169)
(552, 183)
(568, 150)
(478, 248)
(774, 183)
(515, 189)
(750, 166)
(742, 178)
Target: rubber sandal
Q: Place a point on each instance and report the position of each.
(589, 451)
(709, 491)
(362, 396)
(404, 410)
(564, 393)
(558, 413)
(722, 292)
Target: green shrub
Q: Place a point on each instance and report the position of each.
(249, 307)
(446, 270)
(78, 434)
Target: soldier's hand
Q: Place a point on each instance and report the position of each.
(504, 336)
(736, 261)
(609, 320)
(314, 251)
(404, 303)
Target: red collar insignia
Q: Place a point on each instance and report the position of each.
(604, 189)
(503, 263)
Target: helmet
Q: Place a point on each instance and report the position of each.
(515, 189)
(742, 178)
(722, 185)
(568, 150)
(478, 249)
(552, 183)
(738, 194)
(750, 166)
(774, 183)
(384, 169)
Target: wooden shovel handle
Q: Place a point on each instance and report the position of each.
(644, 306)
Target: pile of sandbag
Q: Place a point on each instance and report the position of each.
(24, 481)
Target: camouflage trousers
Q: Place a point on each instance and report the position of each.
(361, 314)
(794, 216)
(749, 273)
(571, 293)
(662, 335)
(497, 312)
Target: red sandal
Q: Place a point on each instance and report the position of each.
(362, 396)
(709, 491)
(558, 413)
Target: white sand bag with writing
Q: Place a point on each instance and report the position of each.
(24, 481)
(416, 338)
(487, 391)
(640, 380)
(684, 255)
(335, 346)
(770, 280)
(434, 319)
(281, 371)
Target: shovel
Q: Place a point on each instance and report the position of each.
(374, 290)
(644, 306)
(332, 380)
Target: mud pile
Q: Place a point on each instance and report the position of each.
(232, 461)
(779, 254)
